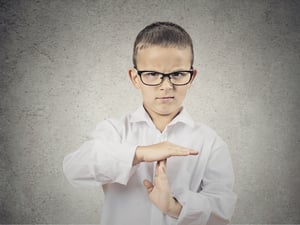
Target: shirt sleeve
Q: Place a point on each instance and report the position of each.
(214, 203)
(103, 159)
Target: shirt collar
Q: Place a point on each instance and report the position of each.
(141, 115)
(183, 117)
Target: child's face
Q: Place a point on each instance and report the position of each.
(164, 99)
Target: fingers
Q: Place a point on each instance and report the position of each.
(161, 169)
(161, 179)
(181, 151)
(148, 185)
(193, 152)
(162, 165)
(157, 169)
(160, 151)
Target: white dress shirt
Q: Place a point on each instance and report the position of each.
(202, 184)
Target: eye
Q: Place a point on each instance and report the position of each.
(179, 74)
(151, 74)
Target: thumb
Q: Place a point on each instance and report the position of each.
(148, 185)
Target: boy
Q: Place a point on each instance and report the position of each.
(156, 165)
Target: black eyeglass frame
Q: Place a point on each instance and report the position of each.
(191, 72)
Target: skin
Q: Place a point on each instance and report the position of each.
(162, 103)
(165, 60)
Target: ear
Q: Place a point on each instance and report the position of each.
(194, 76)
(134, 77)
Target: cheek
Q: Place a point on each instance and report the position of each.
(181, 92)
(147, 94)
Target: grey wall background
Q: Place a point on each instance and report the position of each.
(63, 68)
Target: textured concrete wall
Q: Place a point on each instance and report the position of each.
(63, 68)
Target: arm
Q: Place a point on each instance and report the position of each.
(103, 159)
(160, 193)
(107, 159)
(215, 203)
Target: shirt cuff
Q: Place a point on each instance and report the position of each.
(116, 162)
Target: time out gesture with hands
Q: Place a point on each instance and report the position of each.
(160, 151)
(159, 191)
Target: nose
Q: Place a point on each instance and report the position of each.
(166, 83)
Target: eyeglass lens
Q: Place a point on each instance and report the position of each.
(156, 78)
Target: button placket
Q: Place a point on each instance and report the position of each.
(163, 137)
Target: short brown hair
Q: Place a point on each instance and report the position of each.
(164, 34)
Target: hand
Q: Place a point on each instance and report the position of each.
(160, 194)
(160, 151)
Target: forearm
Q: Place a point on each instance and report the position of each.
(206, 208)
(174, 209)
(99, 162)
(138, 157)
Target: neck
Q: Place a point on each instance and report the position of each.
(161, 120)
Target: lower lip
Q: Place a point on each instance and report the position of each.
(165, 100)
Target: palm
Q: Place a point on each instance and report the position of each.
(159, 192)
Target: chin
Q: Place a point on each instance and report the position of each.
(168, 110)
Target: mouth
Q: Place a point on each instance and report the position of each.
(165, 98)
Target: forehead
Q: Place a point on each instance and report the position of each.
(164, 58)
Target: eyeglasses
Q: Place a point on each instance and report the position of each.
(154, 78)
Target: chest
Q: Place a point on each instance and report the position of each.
(183, 172)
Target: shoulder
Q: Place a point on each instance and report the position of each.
(110, 126)
(204, 129)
